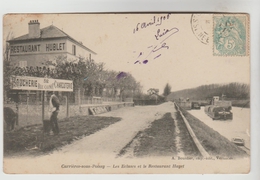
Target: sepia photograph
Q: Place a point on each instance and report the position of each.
(126, 93)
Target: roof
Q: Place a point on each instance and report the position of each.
(48, 33)
(150, 95)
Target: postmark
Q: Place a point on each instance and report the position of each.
(230, 35)
(199, 26)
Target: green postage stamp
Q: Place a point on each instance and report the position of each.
(230, 35)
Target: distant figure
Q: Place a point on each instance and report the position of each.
(10, 118)
(54, 108)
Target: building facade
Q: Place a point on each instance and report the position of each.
(46, 44)
(40, 46)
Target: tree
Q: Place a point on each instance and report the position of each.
(123, 83)
(88, 76)
(7, 66)
(167, 90)
(233, 90)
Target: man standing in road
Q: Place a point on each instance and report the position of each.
(54, 108)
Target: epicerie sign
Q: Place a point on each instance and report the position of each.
(40, 84)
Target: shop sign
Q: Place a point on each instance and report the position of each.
(40, 84)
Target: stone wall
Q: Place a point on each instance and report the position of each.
(32, 114)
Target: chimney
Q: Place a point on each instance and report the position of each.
(34, 29)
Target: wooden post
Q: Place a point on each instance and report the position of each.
(17, 108)
(79, 102)
(37, 97)
(27, 104)
(67, 106)
(43, 95)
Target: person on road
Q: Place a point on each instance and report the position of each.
(54, 108)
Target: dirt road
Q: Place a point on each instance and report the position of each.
(111, 140)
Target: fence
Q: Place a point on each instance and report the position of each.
(30, 106)
(101, 100)
(142, 102)
(32, 114)
(35, 98)
(109, 99)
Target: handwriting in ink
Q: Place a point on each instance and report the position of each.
(160, 34)
(162, 46)
(157, 48)
(140, 54)
(157, 56)
(144, 61)
(155, 21)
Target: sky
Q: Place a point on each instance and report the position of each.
(166, 51)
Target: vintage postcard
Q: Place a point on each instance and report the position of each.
(132, 93)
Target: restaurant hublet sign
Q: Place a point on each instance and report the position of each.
(40, 84)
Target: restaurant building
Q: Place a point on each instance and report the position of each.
(39, 46)
(46, 44)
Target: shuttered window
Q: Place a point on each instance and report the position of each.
(74, 50)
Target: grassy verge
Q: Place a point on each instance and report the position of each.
(30, 140)
(160, 139)
(187, 145)
(213, 142)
